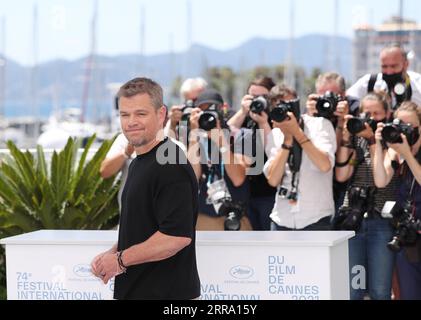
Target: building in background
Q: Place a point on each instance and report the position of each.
(369, 40)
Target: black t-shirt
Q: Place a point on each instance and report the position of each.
(161, 198)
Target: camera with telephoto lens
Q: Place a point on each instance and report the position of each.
(186, 109)
(326, 105)
(280, 112)
(357, 125)
(391, 132)
(406, 225)
(360, 201)
(258, 105)
(220, 197)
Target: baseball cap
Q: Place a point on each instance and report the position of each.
(210, 96)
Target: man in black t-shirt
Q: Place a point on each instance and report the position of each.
(155, 255)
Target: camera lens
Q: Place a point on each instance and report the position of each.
(395, 244)
(355, 125)
(391, 134)
(258, 105)
(279, 113)
(232, 222)
(208, 121)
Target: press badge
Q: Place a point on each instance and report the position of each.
(387, 209)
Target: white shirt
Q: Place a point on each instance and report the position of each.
(359, 89)
(315, 188)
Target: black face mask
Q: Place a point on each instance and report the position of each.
(393, 79)
(415, 135)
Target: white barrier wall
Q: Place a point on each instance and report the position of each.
(307, 265)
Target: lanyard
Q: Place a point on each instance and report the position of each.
(211, 167)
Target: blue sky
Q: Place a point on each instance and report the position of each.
(64, 25)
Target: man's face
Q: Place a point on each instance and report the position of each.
(140, 120)
(257, 91)
(331, 86)
(376, 110)
(392, 62)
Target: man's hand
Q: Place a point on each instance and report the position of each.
(311, 104)
(341, 111)
(289, 126)
(175, 115)
(378, 133)
(105, 266)
(245, 103)
(403, 148)
(260, 119)
(194, 118)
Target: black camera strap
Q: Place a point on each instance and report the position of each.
(294, 164)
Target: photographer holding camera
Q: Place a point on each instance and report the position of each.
(222, 192)
(330, 101)
(403, 157)
(189, 91)
(254, 111)
(301, 167)
(395, 79)
(362, 210)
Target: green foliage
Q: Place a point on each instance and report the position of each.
(69, 193)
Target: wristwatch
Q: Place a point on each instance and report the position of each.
(286, 147)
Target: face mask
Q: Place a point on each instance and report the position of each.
(393, 79)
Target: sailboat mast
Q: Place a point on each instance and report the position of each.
(89, 63)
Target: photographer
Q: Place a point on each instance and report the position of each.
(403, 157)
(211, 154)
(262, 194)
(395, 79)
(189, 91)
(331, 102)
(246, 118)
(363, 204)
(304, 200)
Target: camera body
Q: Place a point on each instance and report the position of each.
(279, 113)
(326, 105)
(407, 227)
(186, 109)
(220, 197)
(357, 125)
(258, 105)
(360, 202)
(392, 132)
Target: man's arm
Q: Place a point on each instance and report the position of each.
(237, 120)
(276, 168)
(158, 247)
(113, 163)
(318, 157)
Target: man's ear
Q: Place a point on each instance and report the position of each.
(162, 113)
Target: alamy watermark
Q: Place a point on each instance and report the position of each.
(242, 150)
